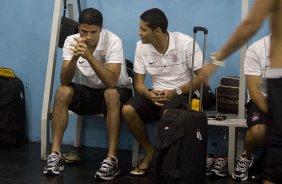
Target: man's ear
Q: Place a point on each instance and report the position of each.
(101, 28)
(77, 28)
(158, 31)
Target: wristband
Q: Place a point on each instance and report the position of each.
(216, 62)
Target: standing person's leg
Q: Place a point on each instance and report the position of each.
(273, 139)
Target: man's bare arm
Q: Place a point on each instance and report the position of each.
(108, 75)
(67, 71)
(139, 85)
(247, 28)
(253, 85)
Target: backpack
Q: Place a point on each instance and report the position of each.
(12, 109)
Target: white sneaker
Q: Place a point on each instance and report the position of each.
(242, 168)
(55, 164)
(220, 167)
(109, 169)
(210, 164)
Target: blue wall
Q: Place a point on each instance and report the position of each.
(25, 34)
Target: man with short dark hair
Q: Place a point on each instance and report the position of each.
(167, 58)
(96, 54)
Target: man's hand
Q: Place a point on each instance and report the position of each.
(206, 72)
(79, 48)
(156, 96)
(159, 98)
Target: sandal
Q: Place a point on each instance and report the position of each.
(71, 157)
(139, 171)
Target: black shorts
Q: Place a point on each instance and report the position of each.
(149, 112)
(89, 101)
(255, 115)
(273, 139)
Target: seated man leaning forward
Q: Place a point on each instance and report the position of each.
(167, 58)
(96, 54)
(256, 64)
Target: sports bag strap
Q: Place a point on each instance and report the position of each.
(68, 26)
(65, 8)
(79, 7)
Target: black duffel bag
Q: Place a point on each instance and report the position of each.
(12, 110)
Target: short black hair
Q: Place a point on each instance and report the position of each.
(155, 18)
(91, 16)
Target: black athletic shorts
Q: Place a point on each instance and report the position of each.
(255, 115)
(149, 112)
(273, 139)
(89, 101)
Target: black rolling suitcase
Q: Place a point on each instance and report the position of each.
(181, 143)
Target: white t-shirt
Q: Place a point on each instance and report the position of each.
(172, 69)
(257, 61)
(109, 50)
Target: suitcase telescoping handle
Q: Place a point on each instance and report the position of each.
(205, 31)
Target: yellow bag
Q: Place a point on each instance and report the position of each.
(195, 105)
(6, 72)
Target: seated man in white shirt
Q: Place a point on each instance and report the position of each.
(255, 66)
(96, 54)
(167, 58)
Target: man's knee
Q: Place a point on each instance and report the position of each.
(128, 112)
(258, 131)
(112, 96)
(64, 94)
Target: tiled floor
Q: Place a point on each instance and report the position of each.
(22, 165)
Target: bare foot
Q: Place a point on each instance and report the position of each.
(145, 163)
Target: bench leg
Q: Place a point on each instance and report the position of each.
(231, 148)
(137, 153)
(77, 134)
